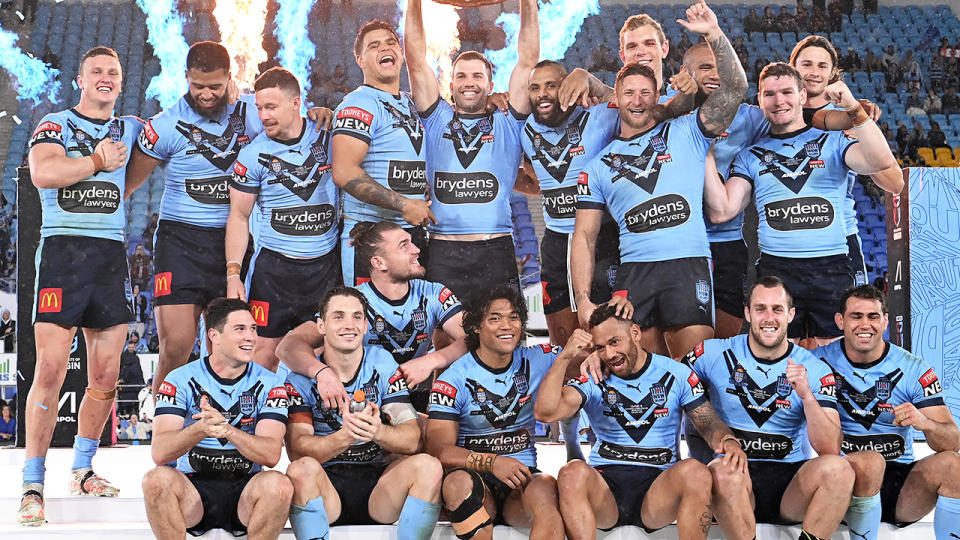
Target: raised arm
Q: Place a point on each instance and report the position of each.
(722, 201)
(823, 423)
(872, 154)
(423, 80)
(582, 87)
(528, 54)
(556, 401)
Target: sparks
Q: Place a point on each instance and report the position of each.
(241, 32)
(296, 49)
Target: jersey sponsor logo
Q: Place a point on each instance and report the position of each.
(828, 385)
(865, 406)
(213, 462)
(930, 384)
(658, 213)
(50, 300)
(167, 393)
(360, 453)
(633, 454)
(396, 382)
(583, 184)
(239, 172)
(260, 311)
(162, 284)
(447, 299)
(560, 203)
(798, 214)
(48, 126)
(696, 387)
(509, 442)
(214, 190)
(636, 418)
(546, 348)
(219, 150)
(793, 171)
(889, 445)
(294, 398)
(402, 342)
(696, 352)
(759, 402)
(443, 394)
(501, 411)
(763, 445)
(46, 131)
(278, 398)
(148, 137)
(353, 118)
(407, 177)
(312, 220)
(90, 197)
(465, 187)
(557, 158)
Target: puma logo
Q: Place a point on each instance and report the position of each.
(766, 372)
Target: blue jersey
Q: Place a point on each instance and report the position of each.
(472, 164)
(378, 376)
(494, 407)
(199, 154)
(867, 394)
(756, 400)
(558, 154)
(92, 206)
(258, 394)
(404, 327)
(660, 218)
(799, 186)
(849, 209)
(391, 126)
(748, 126)
(297, 199)
(637, 419)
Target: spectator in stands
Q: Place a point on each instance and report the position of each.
(872, 62)
(903, 137)
(915, 104)
(148, 231)
(145, 398)
(937, 73)
(153, 344)
(140, 314)
(758, 66)
(740, 47)
(131, 377)
(752, 22)
(932, 103)
(136, 430)
(8, 426)
(8, 331)
(140, 266)
(891, 138)
(936, 138)
(891, 61)
(910, 71)
(951, 101)
(835, 20)
(769, 20)
(850, 62)
(818, 23)
(786, 21)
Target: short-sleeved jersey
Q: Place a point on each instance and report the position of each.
(472, 164)
(867, 394)
(652, 184)
(754, 397)
(637, 419)
(199, 154)
(494, 407)
(381, 381)
(799, 186)
(404, 327)
(558, 154)
(297, 200)
(257, 395)
(849, 209)
(395, 159)
(748, 126)
(92, 206)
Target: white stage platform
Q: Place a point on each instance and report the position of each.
(124, 517)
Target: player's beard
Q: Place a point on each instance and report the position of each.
(554, 118)
(212, 113)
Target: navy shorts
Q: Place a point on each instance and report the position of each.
(816, 284)
(284, 292)
(770, 480)
(857, 264)
(82, 281)
(355, 272)
(189, 266)
(729, 275)
(894, 476)
(629, 485)
(466, 267)
(354, 483)
(668, 294)
(555, 268)
(220, 498)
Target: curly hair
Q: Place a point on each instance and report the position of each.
(477, 305)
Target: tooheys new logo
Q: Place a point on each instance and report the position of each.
(408, 121)
(242, 409)
(759, 402)
(556, 158)
(465, 187)
(502, 411)
(90, 197)
(865, 406)
(636, 418)
(469, 141)
(403, 343)
(312, 220)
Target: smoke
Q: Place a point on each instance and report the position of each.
(296, 49)
(165, 33)
(33, 79)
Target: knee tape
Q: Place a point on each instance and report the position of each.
(470, 516)
(101, 395)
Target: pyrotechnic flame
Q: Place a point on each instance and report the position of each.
(241, 32)
(33, 79)
(165, 33)
(296, 49)
(443, 41)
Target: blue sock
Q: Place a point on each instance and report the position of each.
(946, 518)
(418, 518)
(571, 437)
(310, 521)
(83, 451)
(863, 517)
(34, 470)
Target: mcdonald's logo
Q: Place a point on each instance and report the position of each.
(51, 300)
(162, 283)
(260, 311)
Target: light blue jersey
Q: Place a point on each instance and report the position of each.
(849, 209)
(93, 206)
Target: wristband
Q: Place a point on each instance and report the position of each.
(729, 437)
(97, 162)
(233, 269)
(319, 370)
(858, 116)
(480, 461)
(233, 275)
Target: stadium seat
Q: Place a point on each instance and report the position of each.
(945, 157)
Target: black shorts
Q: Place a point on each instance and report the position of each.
(555, 268)
(220, 499)
(284, 292)
(770, 480)
(466, 267)
(629, 485)
(857, 264)
(189, 266)
(498, 490)
(82, 281)
(670, 293)
(354, 483)
(816, 285)
(355, 273)
(729, 275)
(894, 477)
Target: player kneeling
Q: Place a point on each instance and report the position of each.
(340, 476)
(222, 418)
(637, 477)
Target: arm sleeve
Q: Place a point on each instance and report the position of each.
(589, 187)
(157, 137)
(741, 166)
(172, 396)
(52, 129)
(445, 303)
(396, 389)
(356, 116)
(247, 172)
(274, 406)
(691, 391)
(446, 397)
(823, 383)
(927, 391)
